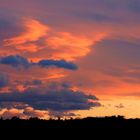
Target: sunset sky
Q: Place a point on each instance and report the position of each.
(69, 58)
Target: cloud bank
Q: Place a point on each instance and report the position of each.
(63, 100)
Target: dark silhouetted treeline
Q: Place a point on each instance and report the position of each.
(102, 124)
(86, 128)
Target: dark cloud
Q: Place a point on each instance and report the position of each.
(4, 80)
(10, 105)
(15, 61)
(66, 85)
(55, 100)
(18, 61)
(58, 63)
(37, 82)
(26, 83)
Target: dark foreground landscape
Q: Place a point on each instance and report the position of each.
(114, 123)
(87, 128)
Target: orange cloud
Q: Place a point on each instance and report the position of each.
(56, 76)
(28, 47)
(69, 46)
(39, 41)
(34, 31)
(31, 112)
(5, 113)
(23, 113)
